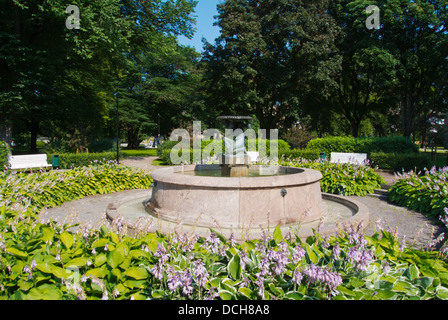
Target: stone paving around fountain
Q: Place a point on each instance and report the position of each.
(417, 228)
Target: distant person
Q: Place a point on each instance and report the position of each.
(156, 142)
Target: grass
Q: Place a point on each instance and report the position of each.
(140, 153)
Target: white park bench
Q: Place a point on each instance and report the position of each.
(353, 158)
(28, 161)
(253, 155)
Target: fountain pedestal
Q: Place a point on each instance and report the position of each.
(234, 165)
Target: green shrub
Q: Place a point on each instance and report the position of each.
(343, 178)
(165, 145)
(363, 145)
(302, 154)
(399, 161)
(426, 193)
(52, 188)
(102, 145)
(75, 160)
(4, 152)
(164, 149)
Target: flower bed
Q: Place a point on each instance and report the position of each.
(343, 179)
(427, 193)
(47, 261)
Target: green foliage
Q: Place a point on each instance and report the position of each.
(75, 160)
(426, 193)
(343, 178)
(4, 152)
(400, 161)
(42, 261)
(51, 189)
(306, 154)
(267, 56)
(45, 261)
(164, 149)
(139, 153)
(363, 145)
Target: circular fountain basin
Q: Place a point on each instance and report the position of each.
(271, 195)
(196, 198)
(340, 211)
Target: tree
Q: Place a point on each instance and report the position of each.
(269, 54)
(416, 33)
(367, 70)
(157, 86)
(42, 61)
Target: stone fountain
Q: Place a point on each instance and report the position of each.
(237, 197)
(235, 162)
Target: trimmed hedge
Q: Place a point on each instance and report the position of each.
(76, 160)
(164, 149)
(400, 162)
(363, 145)
(4, 150)
(311, 155)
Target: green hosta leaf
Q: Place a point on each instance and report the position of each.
(97, 272)
(78, 262)
(44, 292)
(60, 272)
(345, 291)
(115, 258)
(48, 234)
(100, 260)
(442, 293)
(67, 239)
(17, 252)
(43, 267)
(137, 273)
(311, 255)
(277, 235)
(424, 282)
(412, 272)
(100, 243)
(157, 294)
(234, 267)
(246, 292)
(225, 295)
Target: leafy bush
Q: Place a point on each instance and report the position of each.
(102, 145)
(363, 145)
(76, 160)
(400, 161)
(4, 151)
(45, 261)
(426, 193)
(301, 154)
(50, 189)
(343, 178)
(164, 149)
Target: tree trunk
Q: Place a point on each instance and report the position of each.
(133, 139)
(34, 128)
(6, 134)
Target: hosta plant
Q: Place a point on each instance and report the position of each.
(426, 193)
(342, 178)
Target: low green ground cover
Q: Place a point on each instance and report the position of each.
(47, 261)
